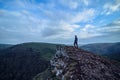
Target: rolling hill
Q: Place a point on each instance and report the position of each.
(24, 61)
(110, 50)
(4, 46)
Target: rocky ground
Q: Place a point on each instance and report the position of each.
(70, 63)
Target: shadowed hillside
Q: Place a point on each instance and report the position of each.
(110, 50)
(24, 61)
(4, 46)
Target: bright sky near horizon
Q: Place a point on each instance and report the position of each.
(57, 21)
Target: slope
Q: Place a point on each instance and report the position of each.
(4, 46)
(24, 61)
(110, 50)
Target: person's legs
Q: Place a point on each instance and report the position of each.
(75, 44)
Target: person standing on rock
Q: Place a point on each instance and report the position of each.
(76, 42)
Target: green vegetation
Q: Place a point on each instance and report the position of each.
(4, 46)
(26, 60)
(45, 75)
(109, 50)
(46, 50)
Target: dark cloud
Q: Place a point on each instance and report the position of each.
(110, 29)
(115, 23)
(47, 32)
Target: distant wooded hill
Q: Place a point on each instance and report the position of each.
(4, 46)
(110, 50)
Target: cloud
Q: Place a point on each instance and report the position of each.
(84, 16)
(88, 31)
(61, 28)
(111, 28)
(72, 4)
(88, 27)
(53, 20)
(65, 23)
(20, 4)
(19, 22)
(111, 7)
(45, 24)
(86, 2)
(24, 24)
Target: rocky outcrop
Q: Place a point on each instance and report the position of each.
(71, 63)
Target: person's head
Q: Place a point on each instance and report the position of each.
(75, 35)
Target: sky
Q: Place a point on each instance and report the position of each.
(57, 21)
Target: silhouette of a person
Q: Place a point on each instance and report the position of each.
(76, 42)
